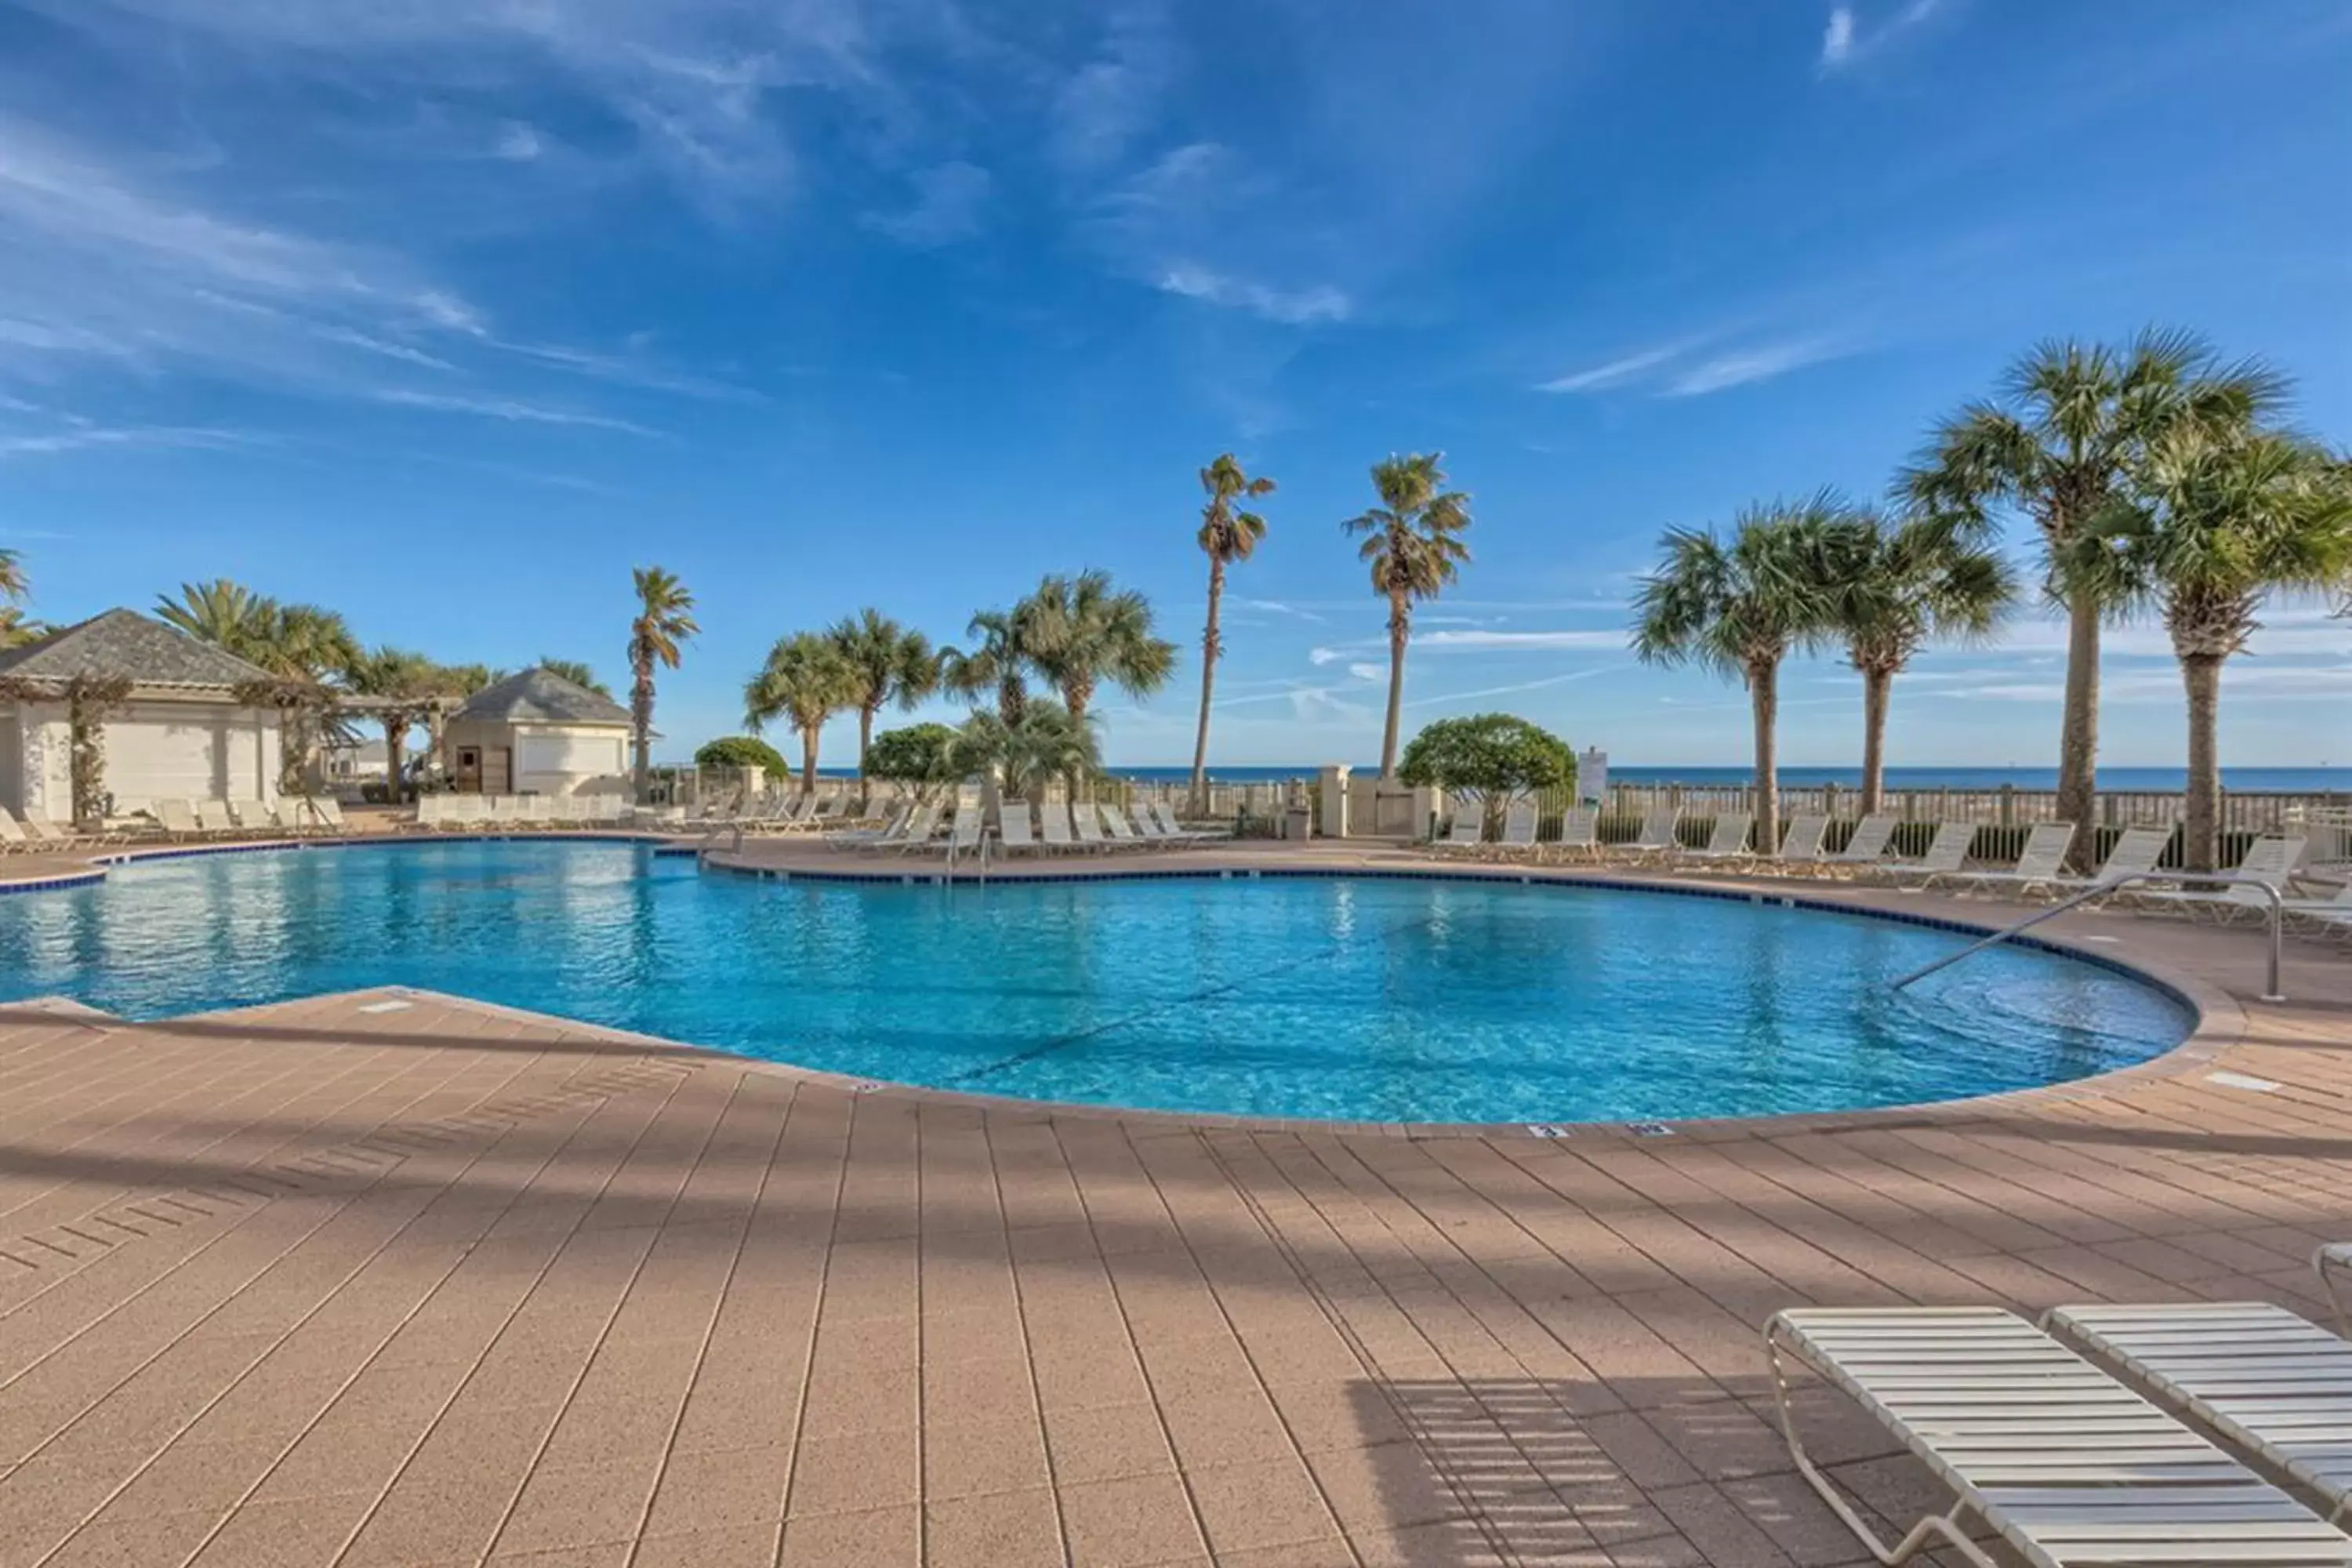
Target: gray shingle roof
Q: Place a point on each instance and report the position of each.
(539, 697)
(127, 644)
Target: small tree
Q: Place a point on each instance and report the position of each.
(741, 751)
(920, 754)
(1492, 757)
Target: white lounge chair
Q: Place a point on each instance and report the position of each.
(179, 820)
(2333, 1262)
(1947, 852)
(1054, 821)
(964, 837)
(1801, 850)
(2059, 1460)
(919, 832)
(891, 834)
(213, 817)
(1519, 835)
(1122, 832)
(1727, 841)
(2322, 916)
(2040, 863)
(1467, 832)
(1165, 816)
(2270, 860)
(13, 836)
(1013, 826)
(2135, 852)
(1087, 825)
(1864, 848)
(330, 814)
(39, 833)
(1579, 835)
(1657, 836)
(2271, 1383)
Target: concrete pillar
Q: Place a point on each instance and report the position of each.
(1593, 776)
(1428, 805)
(1332, 783)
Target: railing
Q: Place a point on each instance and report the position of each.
(2271, 897)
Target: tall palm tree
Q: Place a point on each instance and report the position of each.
(1413, 541)
(2064, 443)
(1228, 534)
(2226, 519)
(227, 614)
(1739, 606)
(806, 680)
(996, 664)
(1892, 586)
(665, 619)
(1079, 632)
(893, 665)
(405, 683)
(576, 671)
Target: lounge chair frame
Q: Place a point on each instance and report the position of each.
(2333, 1263)
(2066, 1465)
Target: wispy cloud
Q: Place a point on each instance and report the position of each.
(946, 207)
(512, 410)
(1292, 307)
(90, 435)
(1846, 42)
(1516, 687)
(1744, 366)
(1278, 607)
(1617, 372)
(1517, 642)
(1105, 104)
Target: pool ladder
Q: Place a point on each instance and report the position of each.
(2276, 914)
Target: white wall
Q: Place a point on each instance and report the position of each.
(563, 760)
(199, 750)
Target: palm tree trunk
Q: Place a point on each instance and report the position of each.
(2200, 843)
(395, 744)
(1764, 698)
(864, 745)
(1877, 685)
(1208, 687)
(1399, 633)
(641, 724)
(808, 760)
(1075, 698)
(2078, 733)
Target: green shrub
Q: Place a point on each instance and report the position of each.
(740, 752)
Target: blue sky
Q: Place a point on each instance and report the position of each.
(447, 312)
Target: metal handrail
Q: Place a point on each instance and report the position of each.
(2277, 914)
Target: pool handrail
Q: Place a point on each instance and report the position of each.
(2271, 897)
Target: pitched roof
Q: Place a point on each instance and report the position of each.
(124, 643)
(539, 697)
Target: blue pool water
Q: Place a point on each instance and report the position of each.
(1393, 1000)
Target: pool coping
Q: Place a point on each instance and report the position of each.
(2218, 1020)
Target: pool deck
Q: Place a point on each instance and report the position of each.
(399, 1278)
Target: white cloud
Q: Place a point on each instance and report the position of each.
(1844, 43)
(1278, 607)
(1516, 687)
(946, 207)
(1617, 372)
(84, 437)
(1106, 104)
(1292, 307)
(512, 410)
(1837, 39)
(1517, 642)
(1745, 365)
(517, 143)
(1367, 672)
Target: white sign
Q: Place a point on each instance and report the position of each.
(1593, 776)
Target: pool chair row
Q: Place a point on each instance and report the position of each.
(191, 821)
(2214, 1433)
(1085, 828)
(471, 813)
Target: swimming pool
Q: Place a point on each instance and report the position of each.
(1415, 1000)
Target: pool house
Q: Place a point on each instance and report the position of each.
(539, 734)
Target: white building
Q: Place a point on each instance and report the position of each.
(537, 733)
(181, 733)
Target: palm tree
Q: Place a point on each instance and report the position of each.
(2226, 519)
(1411, 540)
(575, 672)
(996, 663)
(15, 585)
(404, 683)
(806, 680)
(664, 620)
(1227, 536)
(1079, 632)
(2064, 443)
(227, 614)
(16, 628)
(1892, 586)
(1047, 743)
(893, 665)
(1739, 606)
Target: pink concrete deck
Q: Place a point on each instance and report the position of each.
(396, 1279)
